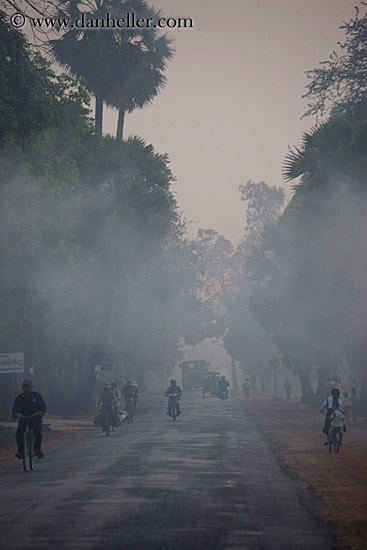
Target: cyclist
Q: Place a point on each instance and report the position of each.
(116, 394)
(172, 390)
(106, 401)
(135, 396)
(327, 407)
(355, 404)
(29, 403)
(336, 421)
(107, 397)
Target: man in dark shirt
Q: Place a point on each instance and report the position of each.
(223, 385)
(172, 390)
(29, 403)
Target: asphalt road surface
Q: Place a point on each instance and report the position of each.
(207, 481)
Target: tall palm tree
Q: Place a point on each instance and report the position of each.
(135, 87)
(122, 67)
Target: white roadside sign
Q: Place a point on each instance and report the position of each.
(11, 362)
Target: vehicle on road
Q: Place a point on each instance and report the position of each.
(193, 374)
(173, 404)
(335, 440)
(223, 395)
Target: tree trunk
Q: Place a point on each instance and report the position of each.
(363, 395)
(308, 395)
(84, 400)
(321, 388)
(8, 389)
(99, 115)
(234, 373)
(120, 124)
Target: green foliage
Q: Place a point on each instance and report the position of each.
(307, 274)
(122, 67)
(32, 98)
(93, 258)
(342, 79)
(264, 204)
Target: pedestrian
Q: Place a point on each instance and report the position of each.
(288, 387)
(347, 407)
(355, 404)
(246, 386)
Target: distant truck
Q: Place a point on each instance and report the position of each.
(193, 374)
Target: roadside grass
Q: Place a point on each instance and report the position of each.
(338, 481)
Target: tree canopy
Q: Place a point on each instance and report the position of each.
(342, 79)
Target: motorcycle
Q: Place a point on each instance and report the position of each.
(223, 395)
(173, 407)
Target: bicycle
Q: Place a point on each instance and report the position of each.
(28, 443)
(335, 440)
(106, 418)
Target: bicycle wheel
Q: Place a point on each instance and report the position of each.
(108, 424)
(30, 450)
(130, 412)
(174, 412)
(25, 448)
(336, 442)
(27, 451)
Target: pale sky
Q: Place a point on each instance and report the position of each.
(232, 104)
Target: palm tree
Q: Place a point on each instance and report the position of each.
(122, 67)
(137, 86)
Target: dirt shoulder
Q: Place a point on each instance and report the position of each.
(60, 431)
(337, 481)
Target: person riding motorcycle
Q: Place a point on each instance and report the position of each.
(223, 386)
(173, 390)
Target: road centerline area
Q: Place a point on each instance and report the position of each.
(207, 481)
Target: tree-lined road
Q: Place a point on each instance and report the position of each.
(207, 481)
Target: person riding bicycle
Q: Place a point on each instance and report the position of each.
(336, 421)
(29, 403)
(172, 390)
(135, 396)
(106, 402)
(223, 386)
(107, 396)
(327, 406)
(116, 394)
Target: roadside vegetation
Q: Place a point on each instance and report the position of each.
(337, 483)
(95, 261)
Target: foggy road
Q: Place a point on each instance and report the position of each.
(208, 481)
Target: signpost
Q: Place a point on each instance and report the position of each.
(11, 363)
(274, 362)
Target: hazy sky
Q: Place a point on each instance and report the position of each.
(232, 104)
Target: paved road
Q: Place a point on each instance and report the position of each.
(207, 481)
